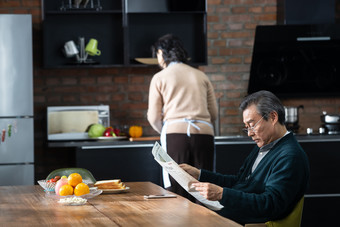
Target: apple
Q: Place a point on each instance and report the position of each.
(116, 131)
(109, 131)
(55, 179)
(60, 183)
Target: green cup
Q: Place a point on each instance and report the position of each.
(91, 48)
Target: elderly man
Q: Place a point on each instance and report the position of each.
(273, 177)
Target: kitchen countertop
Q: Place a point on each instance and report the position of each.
(299, 137)
(231, 139)
(101, 143)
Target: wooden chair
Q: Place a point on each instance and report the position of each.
(292, 220)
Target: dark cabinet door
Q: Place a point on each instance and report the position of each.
(323, 196)
(127, 164)
(230, 157)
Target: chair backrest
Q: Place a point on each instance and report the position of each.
(292, 220)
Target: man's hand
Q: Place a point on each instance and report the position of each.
(191, 170)
(209, 191)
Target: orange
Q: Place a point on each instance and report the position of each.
(135, 131)
(66, 190)
(81, 189)
(74, 179)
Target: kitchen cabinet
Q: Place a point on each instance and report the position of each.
(128, 162)
(323, 197)
(63, 24)
(125, 30)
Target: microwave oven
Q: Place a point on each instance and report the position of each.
(73, 122)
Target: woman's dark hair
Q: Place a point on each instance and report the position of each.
(266, 102)
(172, 48)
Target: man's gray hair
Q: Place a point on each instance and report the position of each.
(266, 102)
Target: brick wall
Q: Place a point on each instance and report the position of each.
(231, 26)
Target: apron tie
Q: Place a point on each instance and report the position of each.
(191, 123)
(166, 179)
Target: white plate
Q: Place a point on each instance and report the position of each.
(112, 191)
(70, 202)
(111, 137)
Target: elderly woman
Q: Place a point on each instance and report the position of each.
(182, 107)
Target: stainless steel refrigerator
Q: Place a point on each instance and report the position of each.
(16, 100)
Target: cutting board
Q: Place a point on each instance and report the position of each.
(150, 138)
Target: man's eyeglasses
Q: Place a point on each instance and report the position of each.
(252, 129)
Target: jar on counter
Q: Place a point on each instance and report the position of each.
(322, 130)
(309, 131)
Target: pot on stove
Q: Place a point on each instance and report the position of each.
(330, 118)
(331, 122)
(292, 114)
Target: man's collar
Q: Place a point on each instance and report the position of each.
(269, 146)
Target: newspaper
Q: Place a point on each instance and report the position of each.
(182, 177)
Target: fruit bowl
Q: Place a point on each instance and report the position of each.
(48, 186)
(94, 191)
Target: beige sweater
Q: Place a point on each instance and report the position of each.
(181, 91)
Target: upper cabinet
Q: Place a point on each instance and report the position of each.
(63, 21)
(120, 31)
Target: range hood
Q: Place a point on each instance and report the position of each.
(296, 60)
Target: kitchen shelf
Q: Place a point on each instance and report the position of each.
(58, 30)
(125, 30)
(143, 30)
(75, 12)
(147, 6)
(172, 12)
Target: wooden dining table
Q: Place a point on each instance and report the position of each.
(31, 206)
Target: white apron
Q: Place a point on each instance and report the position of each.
(166, 179)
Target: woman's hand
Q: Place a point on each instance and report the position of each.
(209, 191)
(191, 170)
